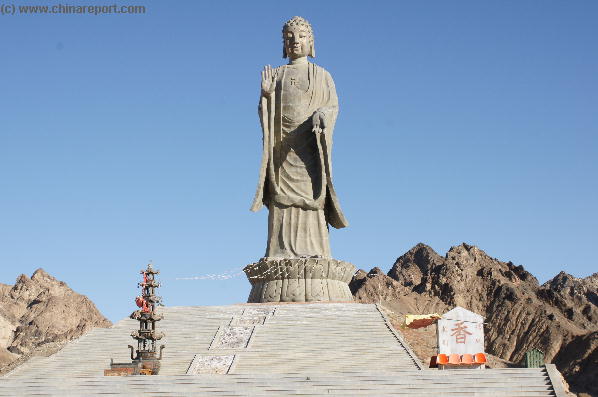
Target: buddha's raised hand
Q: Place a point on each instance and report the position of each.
(268, 82)
(318, 121)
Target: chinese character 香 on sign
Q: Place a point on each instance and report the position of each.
(460, 332)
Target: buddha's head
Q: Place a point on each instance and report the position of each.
(298, 39)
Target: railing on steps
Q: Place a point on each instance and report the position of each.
(400, 339)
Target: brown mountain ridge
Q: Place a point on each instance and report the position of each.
(559, 317)
(39, 314)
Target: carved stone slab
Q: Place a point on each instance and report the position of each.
(232, 337)
(259, 311)
(210, 364)
(299, 280)
(244, 321)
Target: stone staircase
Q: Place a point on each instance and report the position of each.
(266, 350)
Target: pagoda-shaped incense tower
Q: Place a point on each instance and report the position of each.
(147, 335)
(145, 360)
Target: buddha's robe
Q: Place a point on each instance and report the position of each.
(295, 180)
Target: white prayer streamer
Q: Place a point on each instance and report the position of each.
(237, 272)
(222, 276)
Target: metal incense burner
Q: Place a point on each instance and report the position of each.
(145, 359)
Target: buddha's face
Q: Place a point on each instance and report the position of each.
(296, 41)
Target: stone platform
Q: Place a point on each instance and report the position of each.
(318, 349)
(300, 280)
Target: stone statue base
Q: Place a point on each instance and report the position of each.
(299, 280)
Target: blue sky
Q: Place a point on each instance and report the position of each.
(128, 138)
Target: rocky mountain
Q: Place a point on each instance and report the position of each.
(559, 317)
(39, 314)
